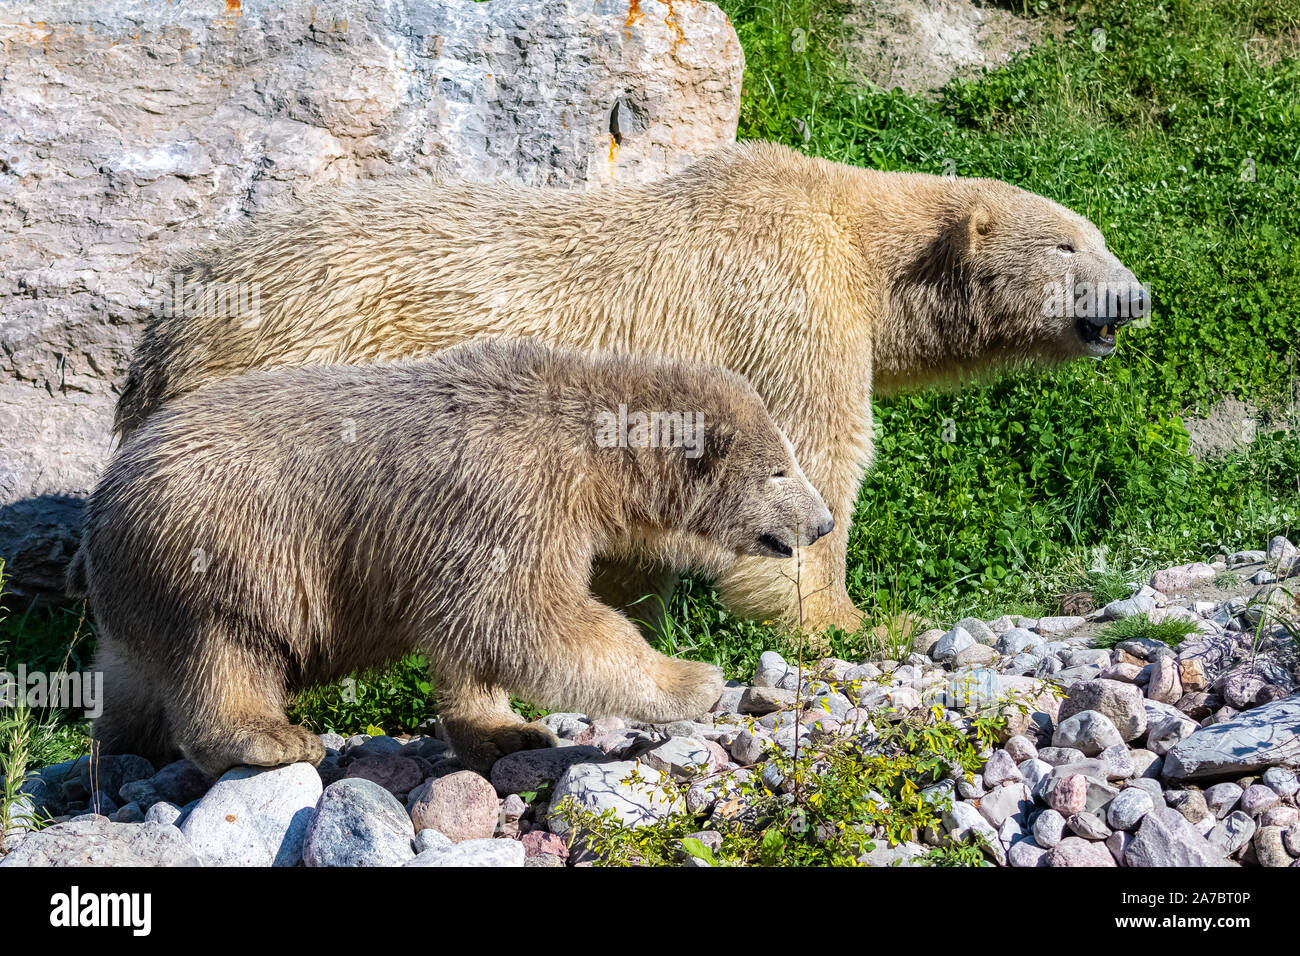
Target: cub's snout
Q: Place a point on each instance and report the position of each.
(802, 518)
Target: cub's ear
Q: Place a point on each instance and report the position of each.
(979, 221)
(713, 451)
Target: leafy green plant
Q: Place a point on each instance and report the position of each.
(382, 701)
(27, 744)
(52, 639)
(15, 731)
(826, 805)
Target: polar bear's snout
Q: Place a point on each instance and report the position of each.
(1113, 304)
(818, 524)
(1118, 301)
(806, 520)
(797, 517)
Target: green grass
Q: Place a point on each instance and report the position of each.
(30, 739)
(383, 701)
(49, 640)
(1172, 632)
(1228, 580)
(1110, 585)
(1181, 140)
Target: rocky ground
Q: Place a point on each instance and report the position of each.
(1140, 755)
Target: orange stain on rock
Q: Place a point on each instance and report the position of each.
(633, 15)
(679, 35)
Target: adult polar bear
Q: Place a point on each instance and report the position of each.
(818, 281)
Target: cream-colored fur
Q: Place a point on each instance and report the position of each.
(285, 528)
(818, 281)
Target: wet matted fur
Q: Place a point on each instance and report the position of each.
(285, 528)
(818, 281)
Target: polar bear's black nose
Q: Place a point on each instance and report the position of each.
(1139, 303)
(826, 527)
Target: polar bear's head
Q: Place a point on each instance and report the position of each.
(752, 498)
(999, 276)
(1041, 279)
(704, 457)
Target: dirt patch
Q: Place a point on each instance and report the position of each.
(1231, 426)
(1270, 50)
(919, 45)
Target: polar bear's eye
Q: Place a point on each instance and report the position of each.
(779, 473)
(1065, 247)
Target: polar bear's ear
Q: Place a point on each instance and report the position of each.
(979, 221)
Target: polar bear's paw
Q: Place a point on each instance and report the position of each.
(478, 747)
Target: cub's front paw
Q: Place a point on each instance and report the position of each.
(689, 689)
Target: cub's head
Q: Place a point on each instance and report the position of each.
(746, 491)
(697, 452)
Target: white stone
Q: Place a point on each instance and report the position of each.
(1126, 811)
(1058, 625)
(1182, 577)
(636, 793)
(951, 644)
(1088, 731)
(681, 758)
(962, 820)
(487, 852)
(255, 816)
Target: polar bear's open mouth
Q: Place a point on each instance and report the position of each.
(1096, 339)
(776, 546)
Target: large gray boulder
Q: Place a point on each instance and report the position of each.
(358, 823)
(94, 841)
(1264, 737)
(133, 132)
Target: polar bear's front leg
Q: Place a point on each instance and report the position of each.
(482, 726)
(593, 660)
(226, 706)
(833, 444)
